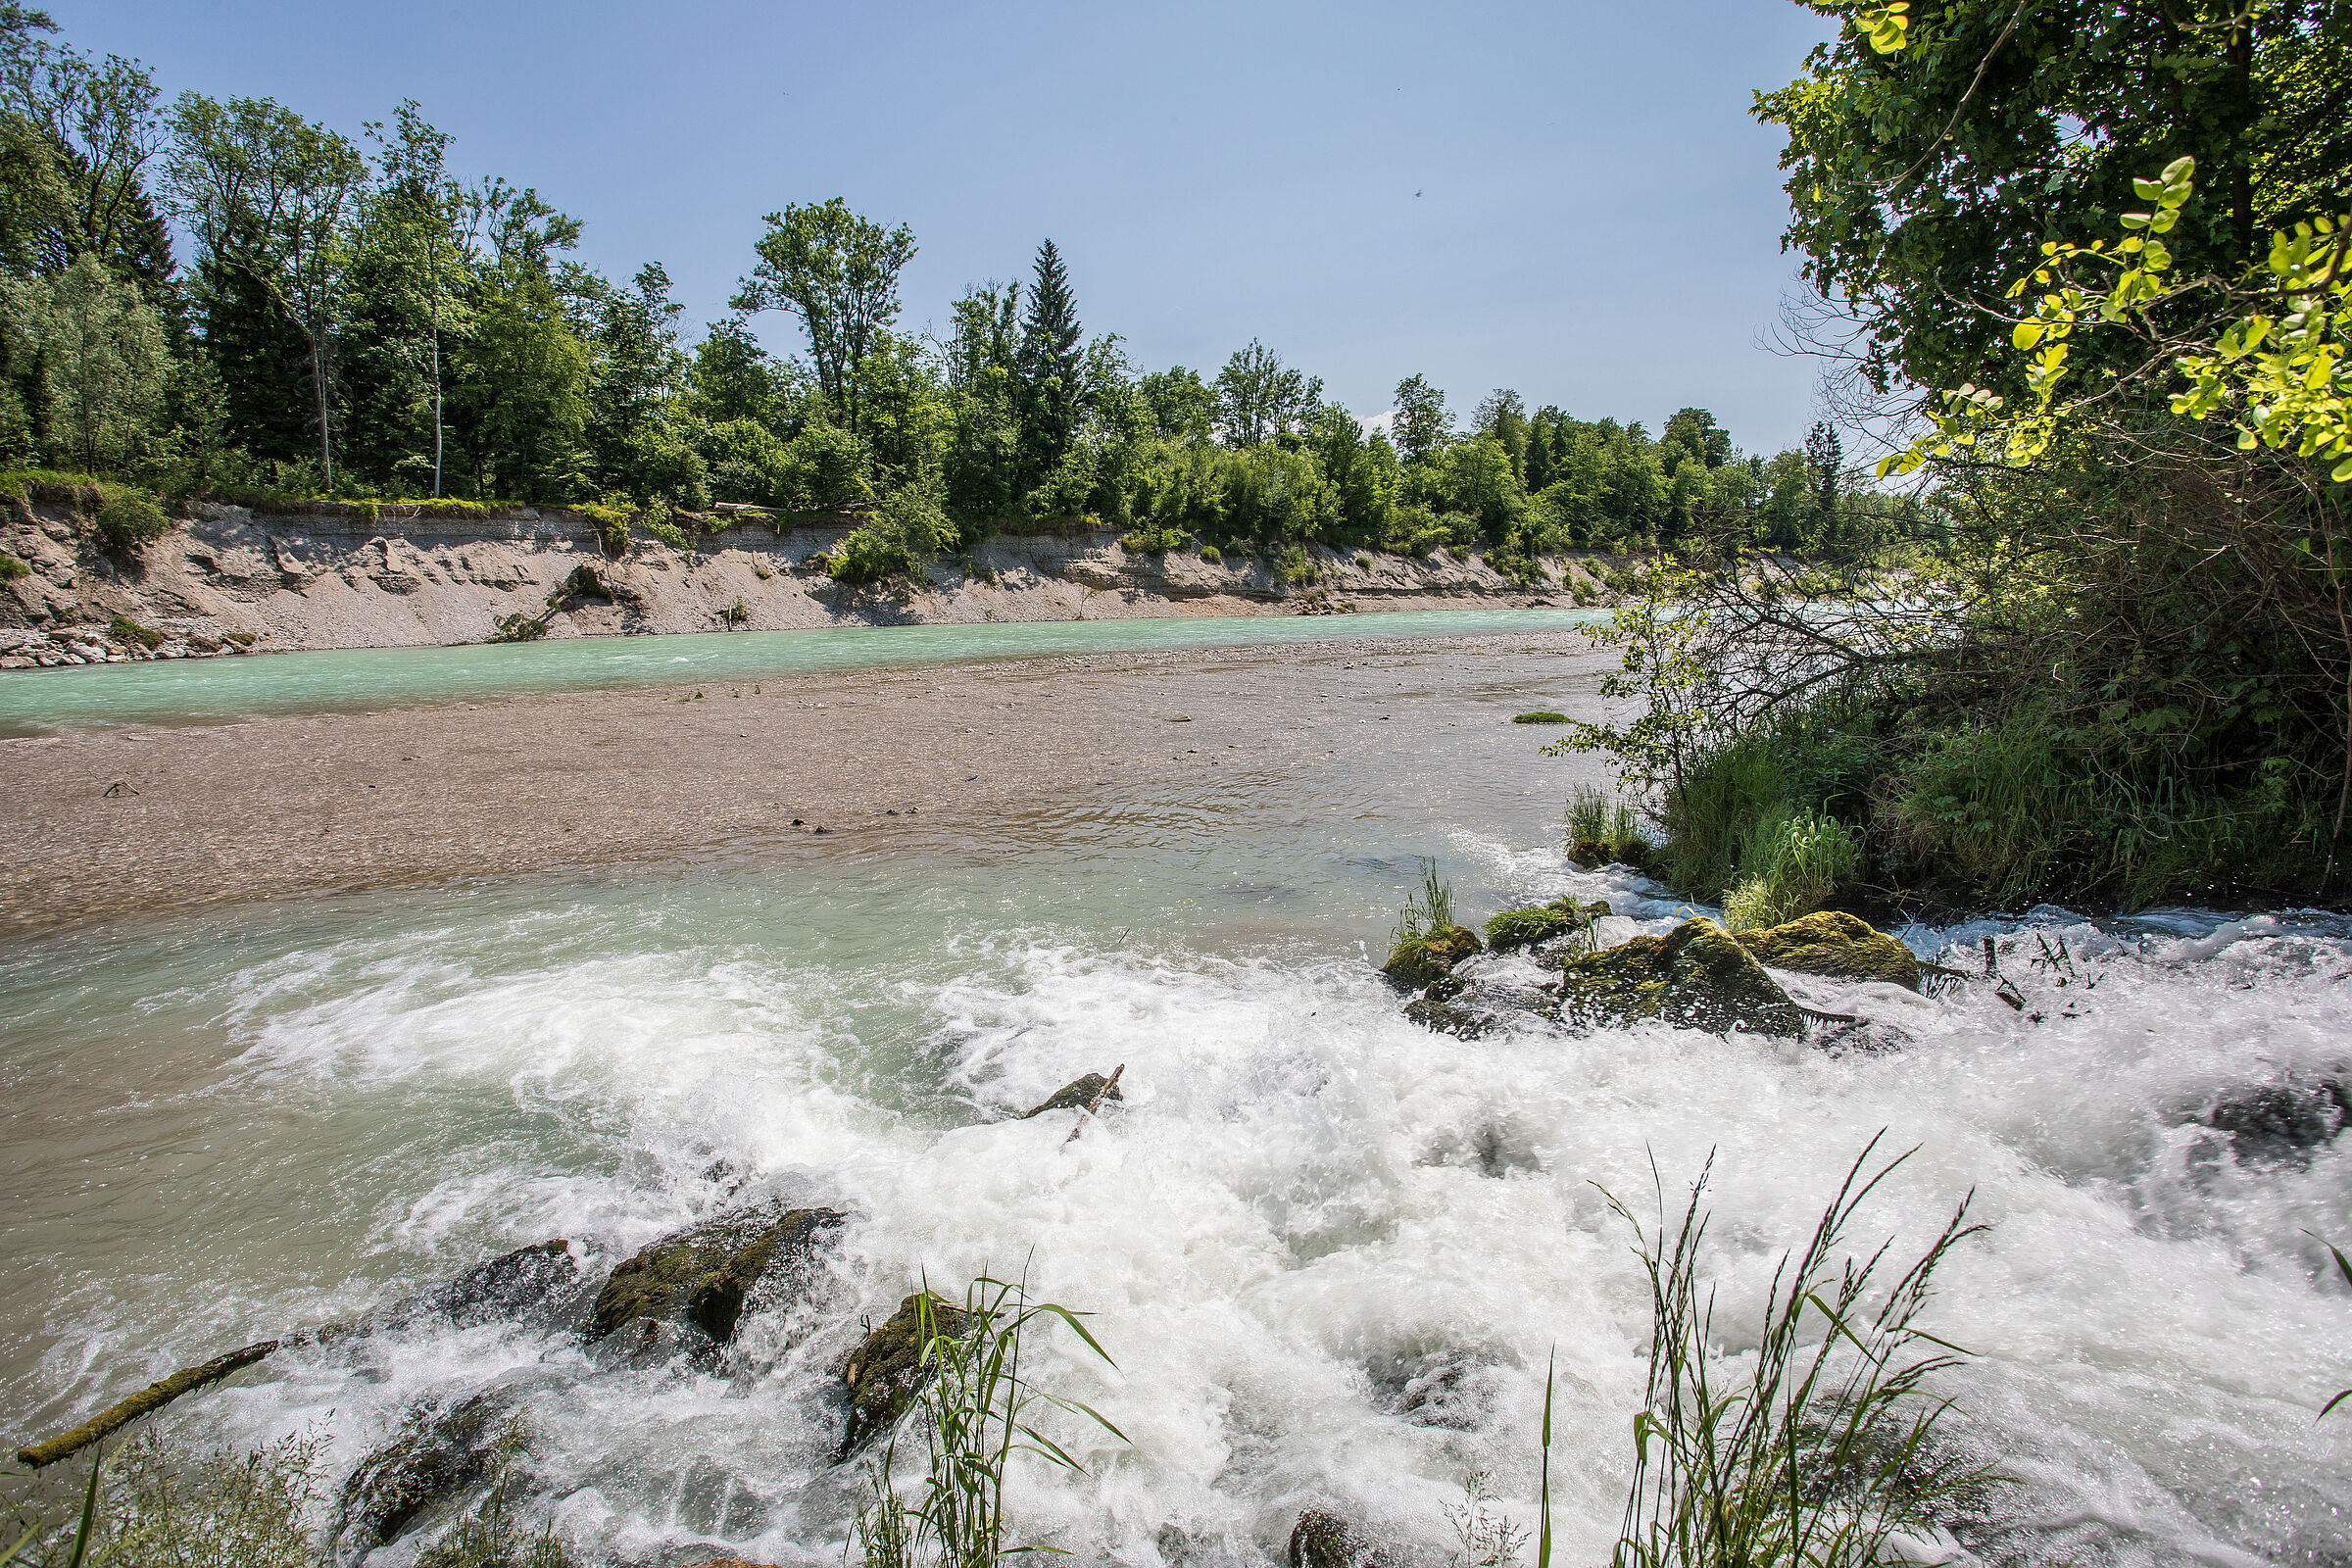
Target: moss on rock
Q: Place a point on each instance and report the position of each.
(1831, 942)
(1419, 961)
(1524, 928)
(887, 1370)
(1697, 976)
(704, 1274)
(1322, 1540)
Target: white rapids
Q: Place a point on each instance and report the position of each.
(1330, 1252)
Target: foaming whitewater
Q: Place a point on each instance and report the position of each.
(1330, 1253)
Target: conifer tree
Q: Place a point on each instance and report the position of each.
(1046, 369)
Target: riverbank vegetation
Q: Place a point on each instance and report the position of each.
(2104, 292)
(216, 296)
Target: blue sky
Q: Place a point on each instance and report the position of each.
(1568, 199)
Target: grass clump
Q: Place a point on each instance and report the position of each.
(11, 569)
(975, 1413)
(1211, 554)
(1542, 716)
(1793, 862)
(147, 1503)
(1428, 940)
(1603, 829)
(1820, 1449)
(123, 629)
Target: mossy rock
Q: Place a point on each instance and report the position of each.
(704, 1274)
(1418, 960)
(887, 1371)
(1323, 1540)
(1524, 928)
(1076, 1094)
(1833, 943)
(1697, 976)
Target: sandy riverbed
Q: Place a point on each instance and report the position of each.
(152, 818)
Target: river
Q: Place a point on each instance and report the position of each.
(1330, 1254)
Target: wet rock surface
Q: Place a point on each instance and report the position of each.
(1076, 1094)
(1697, 976)
(1444, 1018)
(541, 1286)
(886, 1372)
(1837, 945)
(698, 1277)
(437, 1455)
(2282, 1123)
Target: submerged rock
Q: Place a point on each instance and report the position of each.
(1441, 1017)
(887, 1371)
(1830, 942)
(1419, 961)
(700, 1277)
(434, 1456)
(1697, 976)
(1323, 1540)
(1524, 928)
(2284, 1122)
(1076, 1094)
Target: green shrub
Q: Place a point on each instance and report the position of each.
(123, 629)
(1211, 554)
(1544, 716)
(11, 569)
(1793, 863)
(737, 614)
(518, 628)
(1153, 541)
(1296, 567)
(129, 520)
(670, 534)
(906, 533)
(1363, 563)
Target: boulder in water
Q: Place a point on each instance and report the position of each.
(887, 1371)
(1419, 961)
(1833, 943)
(700, 1277)
(1441, 1017)
(530, 1283)
(433, 1457)
(1323, 1540)
(1697, 976)
(1524, 928)
(1076, 1094)
(2281, 1123)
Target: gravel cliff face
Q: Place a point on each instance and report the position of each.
(227, 579)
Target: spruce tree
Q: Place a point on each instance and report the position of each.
(1046, 369)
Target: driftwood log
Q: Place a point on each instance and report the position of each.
(154, 1397)
(1100, 1095)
